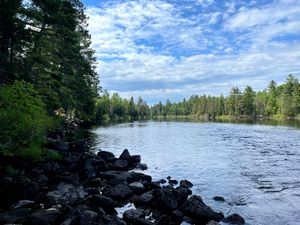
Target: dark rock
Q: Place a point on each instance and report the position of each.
(119, 192)
(117, 177)
(195, 208)
(30, 189)
(42, 180)
(212, 222)
(96, 182)
(92, 191)
(125, 155)
(133, 214)
(45, 216)
(177, 215)
(14, 215)
(164, 220)
(137, 187)
(86, 169)
(111, 220)
(186, 184)
(57, 144)
(106, 203)
(88, 218)
(163, 181)
(141, 166)
(65, 194)
(135, 159)
(234, 219)
(173, 182)
(144, 199)
(107, 156)
(219, 199)
(23, 204)
(120, 165)
(166, 201)
(182, 194)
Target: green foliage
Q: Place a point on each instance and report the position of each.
(33, 152)
(279, 102)
(52, 155)
(23, 116)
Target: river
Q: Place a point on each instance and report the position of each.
(255, 167)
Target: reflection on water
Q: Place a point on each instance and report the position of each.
(255, 167)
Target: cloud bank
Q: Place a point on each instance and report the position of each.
(172, 49)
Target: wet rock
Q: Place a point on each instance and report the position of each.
(182, 194)
(106, 203)
(212, 222)
(144, 199)
(119, 192)
(195, 208)
(125, 155)
(120, 164)
(88, 218)
(141, 166)
(164, 220)
(23, 204)
(219, 199)
(163, 181)
(173, 182)
(166, 201)
(186, 184)
(45, 216)
(137, 187)
(14, 215)
(132, 214)
(111, 220)
(107, 156)
(96, 182)
(177, 215)
(65, 194)
(234, 219)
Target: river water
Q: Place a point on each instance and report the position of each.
(255, 167)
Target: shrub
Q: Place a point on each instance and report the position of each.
(23, 118)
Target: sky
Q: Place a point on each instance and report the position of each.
(172, 49)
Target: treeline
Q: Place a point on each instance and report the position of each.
(276, 100)
(114, 108)
(46, 68)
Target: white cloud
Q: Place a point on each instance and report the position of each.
(153, 42)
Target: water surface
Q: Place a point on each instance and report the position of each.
(255, 167)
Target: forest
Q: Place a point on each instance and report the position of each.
(276, 101)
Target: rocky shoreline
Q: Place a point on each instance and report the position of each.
(84, 188)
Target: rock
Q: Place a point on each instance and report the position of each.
(88, 218)
(195, 208)
(45, 216)
(177, 215)
(219, 199)
(163, 181)
(57, 144)
(164, 220)
(111, 220)
(132, 214)
(96, 182)
(106, 203)
(186, 184)
(86, 169)
(125, 155)
(212, 222)
(234, 219)
(166, 202)
(65, 194)
(119, 192)
(144, 199)
(182, 194)
(173, 182)
(107, 156)
(23, 204)
(120, 165)
(14, 215)
(141, 166)
(117, 177)
(137, 187)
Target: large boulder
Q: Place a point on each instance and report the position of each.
(195, 208)
(234, 219)
(106, 203)
(107, 156)
(14, 215)
(88, 217)
(45, 216)
(118, 192)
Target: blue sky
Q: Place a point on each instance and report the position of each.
(171, 49)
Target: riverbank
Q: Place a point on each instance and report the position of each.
(87, 188)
